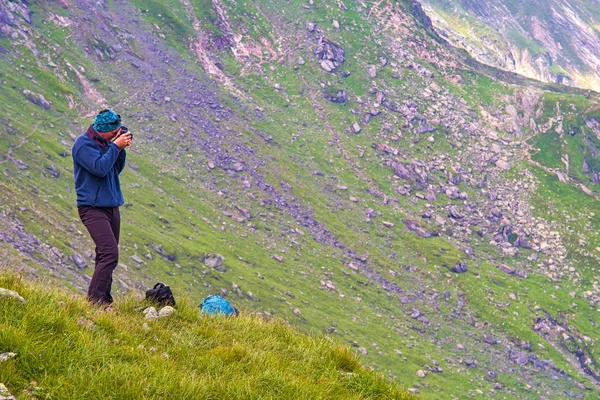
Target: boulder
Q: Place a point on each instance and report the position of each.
(37, 99)
(459, 268)
(506, 269)
(5, 394)
(214, 261)
(372, 71)
(339, 97)
(331, 52)
(7, 356)
(521, 274)
(151, 314)
(165, 312)
(11, 294)
(78, 260)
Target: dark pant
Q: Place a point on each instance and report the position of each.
(104, 225)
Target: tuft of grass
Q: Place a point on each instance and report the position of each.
(67, 348)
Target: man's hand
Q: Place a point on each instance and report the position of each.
(123, 141)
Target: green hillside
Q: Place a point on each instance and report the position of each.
(63, 348)
(343, 214)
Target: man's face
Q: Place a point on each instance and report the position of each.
(115, 132)
(110, 134)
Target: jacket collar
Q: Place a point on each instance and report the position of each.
(94, 135)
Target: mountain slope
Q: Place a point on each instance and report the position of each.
(340, 159)
(552, 41)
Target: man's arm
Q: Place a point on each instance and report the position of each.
(120, 164)
(89, 157)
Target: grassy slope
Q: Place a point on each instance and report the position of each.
(378, 318)
(69, 349)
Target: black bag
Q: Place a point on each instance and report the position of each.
(161, 294)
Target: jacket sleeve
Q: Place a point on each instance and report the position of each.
(89, 157)
(120, 164)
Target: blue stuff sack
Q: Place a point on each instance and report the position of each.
(213, 305)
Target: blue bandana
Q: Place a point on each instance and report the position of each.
(107, 121)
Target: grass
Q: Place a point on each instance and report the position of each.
(174, 201)
(67, 348)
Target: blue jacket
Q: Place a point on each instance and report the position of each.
(96, 166)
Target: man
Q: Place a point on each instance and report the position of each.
(98, 159)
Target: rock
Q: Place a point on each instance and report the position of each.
(336, 24)
(330, 52)
(5, 293)
(7, 356)
(362, 351)
(137, 259)
(339, 97)
(296, 311)
(496, 212)
(78, 260)
(506, 269)
(5, 394)
(328, 65)
(416, 228)
(435, 87)
(421, 373)
(489, 339)
(165, 312)
(521, 274)
(277, 257)
(356, 127)
(310, 26)
(20, 164)
(425, 128)
(215, 261)
(159, 250)
(518, 357)
(37, 99)
(372, 71)
(151, 314)
(454, 213)
(388, 224)
(5, 17)
(502, 164)
(459, 268)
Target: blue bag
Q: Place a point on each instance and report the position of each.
(213, 305)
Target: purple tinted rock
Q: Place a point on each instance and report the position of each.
(459, 268)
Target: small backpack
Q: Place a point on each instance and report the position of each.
(161, 294)
(213, 305)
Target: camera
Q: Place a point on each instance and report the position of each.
(124, 129)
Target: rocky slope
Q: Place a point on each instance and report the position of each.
(552, 41)
(336, 164)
